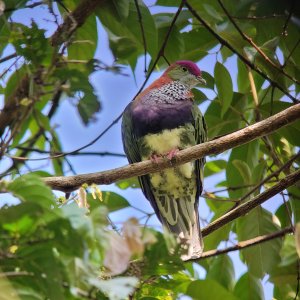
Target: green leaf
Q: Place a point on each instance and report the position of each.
(175, 46)
(221, 270)
(88, 106)
(242, 78)
(244, 170)
(128, 183)
(249, 287)
(197, 43)
(165, 262)
(262, 258)
(199, 96)
(290, 132)
(224, 86)
(111, 200)
(208, 289)
(129, 28)
(31, 188)
(247, 154)
(219, 208)
(220, 125)
(84, 42)
(210, 81)
(215, 166)
(212, 12)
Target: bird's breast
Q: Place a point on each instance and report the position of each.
(149, 119)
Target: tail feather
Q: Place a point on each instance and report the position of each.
(187, 226)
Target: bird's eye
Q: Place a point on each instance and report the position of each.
(184, 69)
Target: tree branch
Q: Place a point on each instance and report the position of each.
(249, 205)
(240, 137)
(74, 20)
(245, 244)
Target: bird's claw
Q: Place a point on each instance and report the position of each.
(155, 158)
(172, 153)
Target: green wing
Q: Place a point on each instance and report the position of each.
(131, 149)
(129, 140)
(201, 137)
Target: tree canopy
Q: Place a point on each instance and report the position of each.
(71, 246)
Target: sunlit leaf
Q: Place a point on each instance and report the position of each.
(248, 287)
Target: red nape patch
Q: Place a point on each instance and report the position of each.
(191, 66)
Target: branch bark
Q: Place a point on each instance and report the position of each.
(240, 137)
(74, 20)
(249, 205)
(245, 244)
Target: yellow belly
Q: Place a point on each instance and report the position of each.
(171, 181)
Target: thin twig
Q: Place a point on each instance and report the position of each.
(140, 20)
(284, 29)
(245, 244)
(94, 153)
(8, 57)
(251, 204)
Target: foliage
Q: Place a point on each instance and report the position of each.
(52, 247)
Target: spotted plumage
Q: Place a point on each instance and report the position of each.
(160, 121)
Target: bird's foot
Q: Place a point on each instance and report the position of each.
(172, 153)
(155, 158)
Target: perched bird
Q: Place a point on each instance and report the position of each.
(160, 121)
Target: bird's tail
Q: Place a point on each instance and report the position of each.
(186, 227)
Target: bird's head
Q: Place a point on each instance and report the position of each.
(186, 72)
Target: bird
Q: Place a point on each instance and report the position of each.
(162, 120)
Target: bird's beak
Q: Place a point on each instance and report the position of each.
(201, 80)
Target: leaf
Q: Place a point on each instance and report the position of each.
(215, 166)
(128, 183)
(248, 287)
(129, 28)
(31, 188)
(247, 154)
(117, 255)
(289, 251)
(210, 81)
(221, 270)
(175, 46)
(208, 289)
(219, 208)
(242, 78)
(297, 238)
(111, 200)
(84, 41)
(224, 86)
(290, 132)
(262, 258)
(244, 170)
(197, 43)
(199, 96)
(212, 12)
(220, 125)
(126, 286)
(88, 106)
